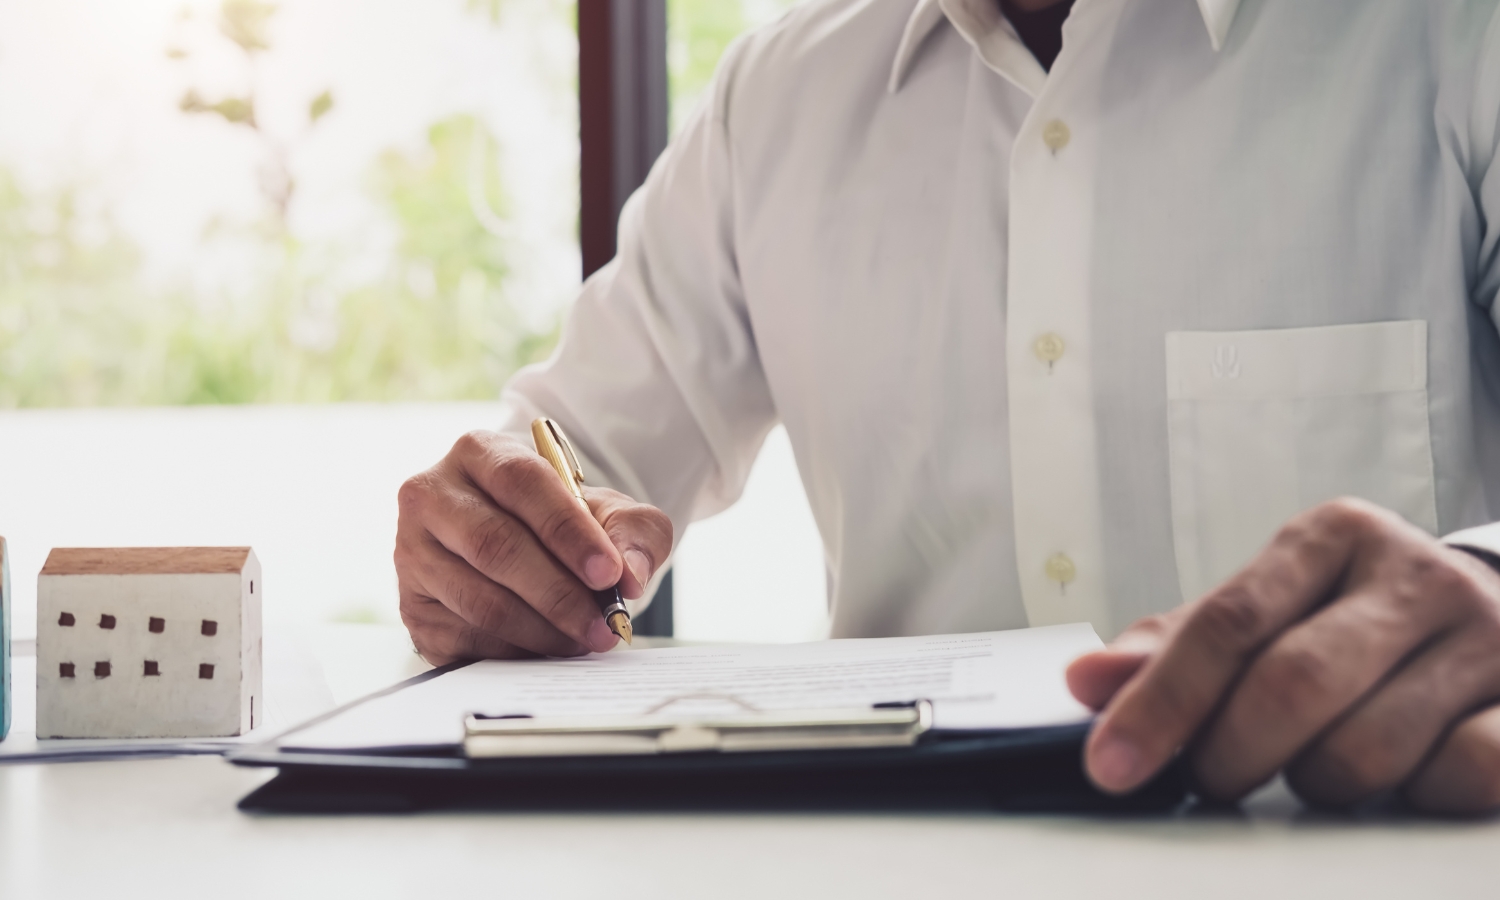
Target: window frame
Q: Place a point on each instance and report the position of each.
(623, 119)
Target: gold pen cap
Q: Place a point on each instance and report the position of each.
(553, 446)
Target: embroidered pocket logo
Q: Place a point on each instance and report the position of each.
(1226, 361)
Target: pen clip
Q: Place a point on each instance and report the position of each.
(569, 458)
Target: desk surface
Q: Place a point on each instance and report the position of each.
(168, 828)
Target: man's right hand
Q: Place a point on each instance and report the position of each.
(495, 558)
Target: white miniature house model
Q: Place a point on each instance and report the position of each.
(149, 643)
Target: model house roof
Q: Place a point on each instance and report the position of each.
(146, 561)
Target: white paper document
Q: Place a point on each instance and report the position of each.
(1003, 679)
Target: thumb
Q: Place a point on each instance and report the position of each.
(642, 533)
(1095, 678)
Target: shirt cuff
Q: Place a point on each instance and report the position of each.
(1485, 539)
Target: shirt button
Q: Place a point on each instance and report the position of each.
(1049, 348)
(1055, 135)
(1060, 569)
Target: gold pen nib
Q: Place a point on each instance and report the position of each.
(619, 623)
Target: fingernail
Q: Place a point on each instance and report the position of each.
(1115, 764)
(599, 571)
(600, 637)
(639, 565)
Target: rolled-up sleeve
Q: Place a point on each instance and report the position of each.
(657, 379)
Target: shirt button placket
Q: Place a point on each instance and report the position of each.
(1054, 471)
(1049, 348)
(1061, 569)
(1056, 135)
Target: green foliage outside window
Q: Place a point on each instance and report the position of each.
(80, 327)
(81, 324)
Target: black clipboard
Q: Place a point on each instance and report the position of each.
(1018, 770)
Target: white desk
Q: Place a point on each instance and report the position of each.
(168, 829)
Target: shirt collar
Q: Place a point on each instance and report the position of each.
(980, 22)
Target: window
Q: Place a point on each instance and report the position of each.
(242, 201)
(255, 202)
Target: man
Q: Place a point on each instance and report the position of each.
(1110, 341)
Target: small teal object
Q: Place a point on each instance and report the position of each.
(5, 703)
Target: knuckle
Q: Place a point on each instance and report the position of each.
(1464, 777)
(407, 555)
(1486, 779)
(479, 608)
(1351, 513)
(657, 524)
(408, 614)
(554, 600)
(402, 557)
(1442, 579)
(425, 639)
(498, 546)
(469, 643)
(1228, 619)
(1151, 626)
(519, 474)
(645, 525)
(473, 443)
(1477, 759)
(561, 526)
(1319, 788)
(1310, 536)
(413, 494)
(1439, 580)
(1328, 526)
(1294, 683)
(1343, 771)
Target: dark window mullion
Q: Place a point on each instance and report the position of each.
(623, 111)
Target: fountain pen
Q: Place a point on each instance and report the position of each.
(555, 449)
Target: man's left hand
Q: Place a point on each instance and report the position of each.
(1356, 654)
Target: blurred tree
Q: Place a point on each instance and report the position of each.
(78, 326)
(81, 325)
(246, 24)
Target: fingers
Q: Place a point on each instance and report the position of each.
(1378, 745)
(529, 489)
(493, 535)
(442, 637)
(641, 533)
(1175, 692)
(1463, 777)
(478, 604)
(1308, 678)
(1095, 678)
(503, 549)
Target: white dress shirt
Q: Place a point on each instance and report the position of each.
(1067, 346)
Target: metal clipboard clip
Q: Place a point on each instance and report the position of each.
(657, 731)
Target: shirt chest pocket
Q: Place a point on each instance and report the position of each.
(1264, 424)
